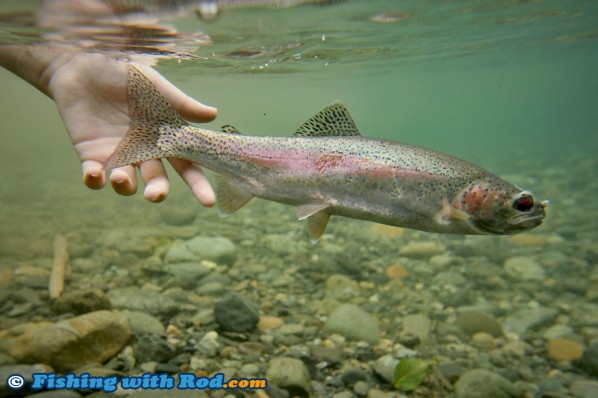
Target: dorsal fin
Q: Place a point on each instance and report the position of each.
(334, 120)
(227, 128)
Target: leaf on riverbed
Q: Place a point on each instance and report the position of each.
(409, 373)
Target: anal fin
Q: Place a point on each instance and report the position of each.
(231, 195)
(317, 219)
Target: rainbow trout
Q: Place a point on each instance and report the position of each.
(327, 168)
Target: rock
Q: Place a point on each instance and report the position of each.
(584, 388)
(524, 269)
(518, 348)
(26, 371)
(361, 388)
(218, 249)
(31, 276)
(68, 344)
(529, 240)
(589, 360)
(6, 359)
(179, 215)
(290, 374)
(564, 350)
(249, 370)
(326, 354)
(396, 272)
(236, 313)
(136, 299)
(149, 347)
(143, 323)
(417, 325)
(341, 288)
(451, 371)
(557, 331)
(209, 345)
(472, 322)
(267, 322)
(352, 375)
(187, 275)
(483, 383)
(354, 323)
(522, 320)
(56, 394)
(375, 393)
(169, 368)
(343, 394)
(82, 301)
(385, 367)
(483, 340)
(422, 249)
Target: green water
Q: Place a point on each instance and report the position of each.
(509, 85)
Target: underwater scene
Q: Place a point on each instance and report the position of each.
(472, 285)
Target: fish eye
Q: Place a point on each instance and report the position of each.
(523, 203)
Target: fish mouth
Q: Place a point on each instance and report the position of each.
(525, 221)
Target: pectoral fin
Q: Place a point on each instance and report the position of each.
(231, 195)
(450, 213)
(317, 219)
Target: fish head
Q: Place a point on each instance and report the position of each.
(501, 208)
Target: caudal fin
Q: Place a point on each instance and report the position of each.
(150, 115)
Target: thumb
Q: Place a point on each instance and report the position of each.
(188, 108)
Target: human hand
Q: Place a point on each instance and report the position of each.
(90, 91)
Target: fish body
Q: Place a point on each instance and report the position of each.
(327, 168)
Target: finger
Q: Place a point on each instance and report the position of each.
(187, 107)
(94, 176)
(156, 181)
(197, 181)
(124, 180)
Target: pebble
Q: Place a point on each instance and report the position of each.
(353, 323)
(524, 268)
(472, 322)
(557, 331)
(218, 249)
(187, 275)
(422, 249)
(56, 394)
(143, 323)
(179, 215)
(385, 367)
(564, 350)
(26, 371)
(518, 348)
(452, 371)
(267, 322)
(418, 325)
(478, 383)
(149, 347)
(68, 344)
(289, 374)
(589, 360)
(209, 345)
(81, 301)
(341, 288)
(353, 375)
(236, 313)
(329, 355)
(524, 319)
(136, 299)
(361, 388)
(376, 393)
(584, 388)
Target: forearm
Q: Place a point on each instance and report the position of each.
(35, 64)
